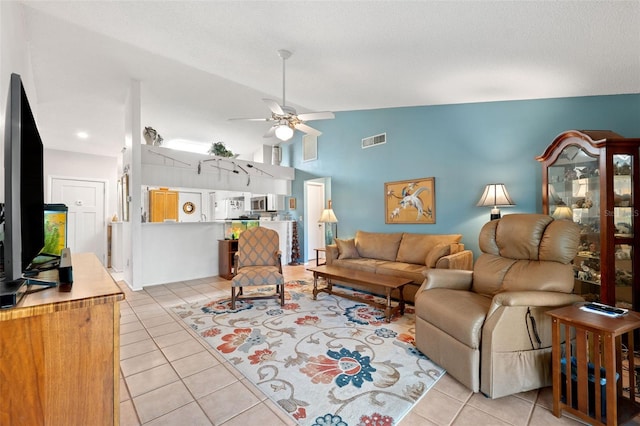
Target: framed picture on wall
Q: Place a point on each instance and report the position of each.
(124, 197)
(410, 201)
(292, 203)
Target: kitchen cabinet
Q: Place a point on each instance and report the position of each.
(275, 202)
(163, 205)
(591, 177)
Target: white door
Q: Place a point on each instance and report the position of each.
(314, 230)
(86, 220)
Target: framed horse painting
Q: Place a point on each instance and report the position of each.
(410, 201)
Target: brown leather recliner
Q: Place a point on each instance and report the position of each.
(487, 327)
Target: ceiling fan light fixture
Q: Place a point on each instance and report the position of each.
(284, 132)
(285, 118)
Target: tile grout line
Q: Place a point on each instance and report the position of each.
(168, 309)
(168, 362)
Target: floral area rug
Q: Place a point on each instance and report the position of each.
(330, 361)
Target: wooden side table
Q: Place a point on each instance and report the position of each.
(226, 251)
(318, 251)
(593, 358)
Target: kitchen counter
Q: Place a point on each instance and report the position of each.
(175, 223)
(179, 251)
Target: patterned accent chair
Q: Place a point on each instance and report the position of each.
(257, 263)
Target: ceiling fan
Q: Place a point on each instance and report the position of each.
(285, 118)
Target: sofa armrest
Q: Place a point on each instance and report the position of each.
(460, 260)
(546, 299)
(332, 253)
(455, 279)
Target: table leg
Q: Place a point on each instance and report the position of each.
(632, 368)
(388, 310)
(610, 365)
(401, 304)
(555, 365)
(315, 286)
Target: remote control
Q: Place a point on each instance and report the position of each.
(604, 309)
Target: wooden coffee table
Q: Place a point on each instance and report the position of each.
(388, 282)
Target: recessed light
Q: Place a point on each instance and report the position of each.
(82, 135)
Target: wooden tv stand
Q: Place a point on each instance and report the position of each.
(60, 352)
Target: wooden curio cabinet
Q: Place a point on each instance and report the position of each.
(591, 177)
(227, 250)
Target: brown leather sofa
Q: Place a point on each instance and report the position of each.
(478, 324)
(400, 254)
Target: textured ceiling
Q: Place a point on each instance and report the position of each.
(201, 63)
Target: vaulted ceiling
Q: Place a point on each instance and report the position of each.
(201, 63)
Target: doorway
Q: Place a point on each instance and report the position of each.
(314, 203)
(86, 221)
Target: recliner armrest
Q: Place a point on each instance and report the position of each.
(455, 279)
(548, 299)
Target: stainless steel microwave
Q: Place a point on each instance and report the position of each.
(259, 204)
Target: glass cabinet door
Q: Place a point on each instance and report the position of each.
(574, 194)
(623, 215)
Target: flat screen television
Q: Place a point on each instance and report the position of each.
(23, 185)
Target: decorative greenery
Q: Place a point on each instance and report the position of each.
(218, 148)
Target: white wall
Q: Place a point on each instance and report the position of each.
(15, 58)
(79, 166)
(194, 197)
(132, 230)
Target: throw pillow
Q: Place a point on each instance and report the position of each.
(378, 245)
(414, 248)
(347, 249)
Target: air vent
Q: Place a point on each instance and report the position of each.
(309, 147)
(374, 140)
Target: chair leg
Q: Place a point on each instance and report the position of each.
(233, 298)
(281, 294)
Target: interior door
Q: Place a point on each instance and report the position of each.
(313, 209)
(86, 225)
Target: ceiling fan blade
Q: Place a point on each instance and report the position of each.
(310, 116)
(274, 106)
(250, 119)
(271, 132)
(307, 129)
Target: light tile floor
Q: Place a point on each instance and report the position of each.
(171, 377)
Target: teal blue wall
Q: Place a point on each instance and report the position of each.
(463, 146)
